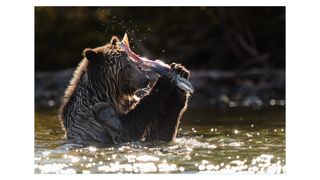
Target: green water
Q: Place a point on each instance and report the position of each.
(207, 142)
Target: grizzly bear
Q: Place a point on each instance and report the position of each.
(100, 106)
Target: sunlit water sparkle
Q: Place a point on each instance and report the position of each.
(197, 149)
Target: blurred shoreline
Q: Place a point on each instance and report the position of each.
(256, 88)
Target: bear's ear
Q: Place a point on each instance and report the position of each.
(114, 40)
(91, 54)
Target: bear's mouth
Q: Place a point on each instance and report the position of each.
(157, 66)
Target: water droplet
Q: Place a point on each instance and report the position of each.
(232, 104)
(210, 167)
(272, 102)
(259, 102)
(89, 165)
(92, 149)
(51, 103)
(202, 167)
(46, 153)
(204, 162)
(74, 159)
(224, 98)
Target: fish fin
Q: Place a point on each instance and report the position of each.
(125, 40)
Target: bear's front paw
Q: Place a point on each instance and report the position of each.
(180, 77)
(180, 70)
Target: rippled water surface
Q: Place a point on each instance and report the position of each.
(243, 144)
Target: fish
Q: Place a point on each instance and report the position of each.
(157, 66)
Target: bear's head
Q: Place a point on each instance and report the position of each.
(113, 75)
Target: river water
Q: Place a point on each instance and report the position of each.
(209, 141)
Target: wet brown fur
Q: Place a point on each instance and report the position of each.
(156, 116)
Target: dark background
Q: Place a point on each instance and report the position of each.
(230, 38)
(236, 54)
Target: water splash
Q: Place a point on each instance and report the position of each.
(201, 149)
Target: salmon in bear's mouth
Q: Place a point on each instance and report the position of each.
(157, 66)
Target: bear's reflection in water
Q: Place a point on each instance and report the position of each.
(249, 148)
